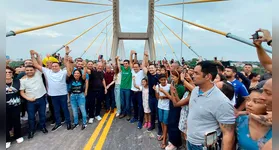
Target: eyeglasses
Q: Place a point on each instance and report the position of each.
(9, 72)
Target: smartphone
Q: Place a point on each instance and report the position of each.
(101, 57)
(210, 138)
(185, 70)
(256, 35)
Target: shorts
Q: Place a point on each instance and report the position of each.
(163, 115)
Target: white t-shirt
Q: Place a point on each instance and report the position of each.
(56, 82)
(163, 103)
(33, 87)
(138, 77)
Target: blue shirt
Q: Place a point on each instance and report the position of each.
(240, 92)
(245, 142)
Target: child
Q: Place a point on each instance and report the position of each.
(145, 104)
(163, 105)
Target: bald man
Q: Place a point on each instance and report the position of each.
(96, 91)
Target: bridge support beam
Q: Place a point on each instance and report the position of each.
(118, 35)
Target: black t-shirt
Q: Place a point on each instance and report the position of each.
(12, 94)
(76, 87)
(96, 80)
(152, 80)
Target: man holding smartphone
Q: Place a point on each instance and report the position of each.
(213, 110)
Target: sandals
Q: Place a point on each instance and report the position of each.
(163, 146)
(160, 138)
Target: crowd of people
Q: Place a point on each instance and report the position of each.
(210, 106)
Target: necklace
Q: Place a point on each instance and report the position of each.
(10, 87)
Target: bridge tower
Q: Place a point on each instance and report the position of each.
(118, 36)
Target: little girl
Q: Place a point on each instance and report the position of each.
(145, 93)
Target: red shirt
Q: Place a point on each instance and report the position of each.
(109, 77)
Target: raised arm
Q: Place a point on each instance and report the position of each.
(34, 60)
(265, 60)
(144, 62)
(117, 63)
(84, 70)
(131, 58)
(186, 80)
(39, 59)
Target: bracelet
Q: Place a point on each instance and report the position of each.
(269, 42)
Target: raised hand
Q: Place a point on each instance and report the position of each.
(67, 49)
(84, 63)
(188, 77)
(263, 119)
(133, 52)
(266, 35)
(146, 53)
(182, 75)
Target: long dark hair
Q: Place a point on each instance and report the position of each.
(116, 70)
(80, 78)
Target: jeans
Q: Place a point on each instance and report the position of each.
(137, 105)
(61, 102)
(13, 121)
(153, 105)
(110, 100)
(94, 100)
(125, 101)
(117, 97)
(193, 147)
(32, 107)
(51, 109)
(78, 100)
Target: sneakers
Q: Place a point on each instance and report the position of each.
(30, 135)
(8, 145)
(44, 130)
(63, 121)
(122, 116)
(148, 124)
(171, 147)
(83, 126)
(19, 140)
(69, 126)
(129, 118)
(133, 120)
(56, 127)
(139, 125)
(91, 120)
(117, 115)
(145, 125)
(52, 123)
(24, 118)
(98, 118)
(75, 125)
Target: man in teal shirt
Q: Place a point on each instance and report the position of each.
(125, 88)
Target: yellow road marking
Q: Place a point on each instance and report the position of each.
(103, 137)
(96, 132)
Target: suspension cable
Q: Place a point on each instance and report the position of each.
(166, 40)
(178, 36)
(13, 33)
(80, 2)
(81, 34)
(191, 2)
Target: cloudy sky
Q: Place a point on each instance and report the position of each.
(239, 17)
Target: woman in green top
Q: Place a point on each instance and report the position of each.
(173, 131)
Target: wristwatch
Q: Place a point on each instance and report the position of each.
(269, 42)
